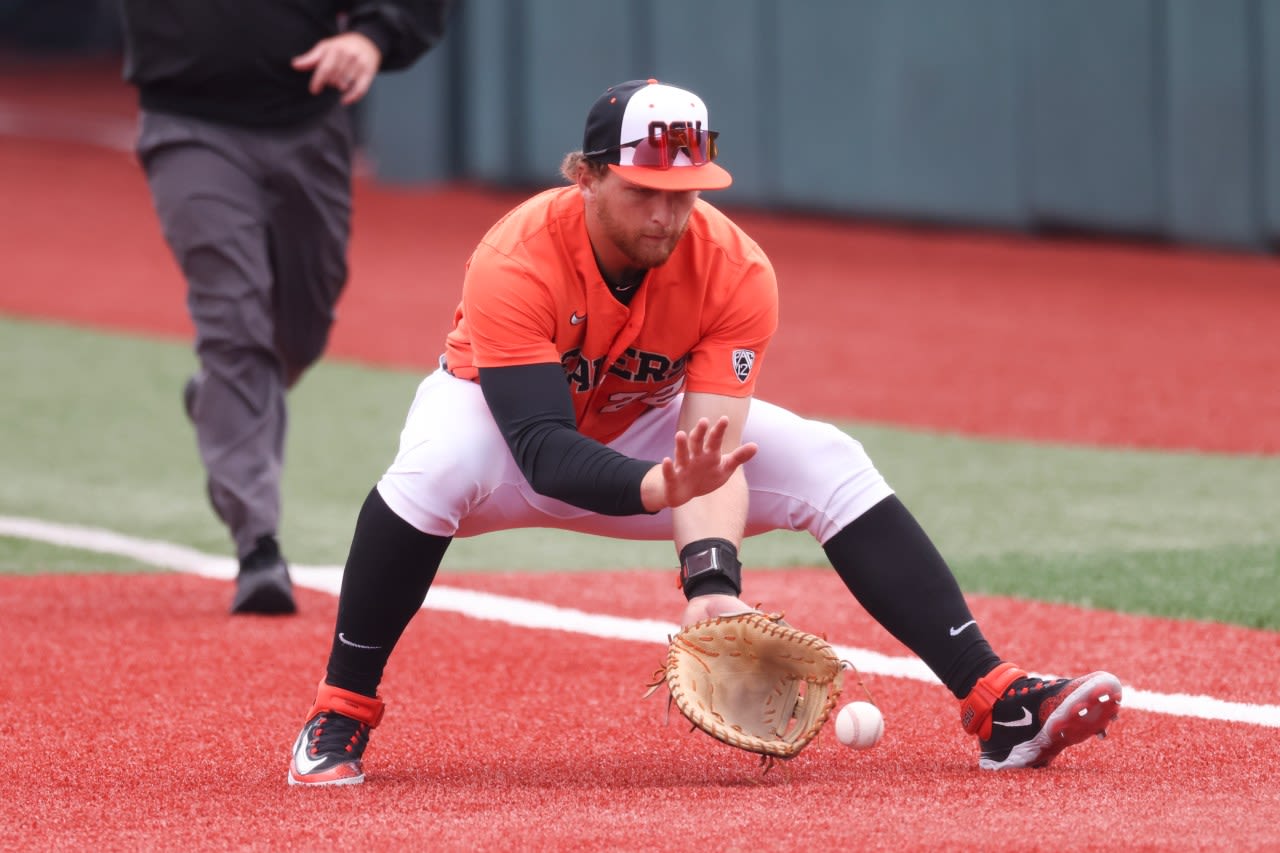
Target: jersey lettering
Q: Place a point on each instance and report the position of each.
(635, 367)
(649, 368)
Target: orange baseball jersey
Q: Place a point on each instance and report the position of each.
(533, 294)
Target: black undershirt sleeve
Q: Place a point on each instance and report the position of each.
(533, 409)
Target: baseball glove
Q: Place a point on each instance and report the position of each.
(752, 681)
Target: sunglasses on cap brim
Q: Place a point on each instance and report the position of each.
(665, 141)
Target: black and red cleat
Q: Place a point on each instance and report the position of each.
(1023, 721)
(330, 748)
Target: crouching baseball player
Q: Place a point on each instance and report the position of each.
(599, 378)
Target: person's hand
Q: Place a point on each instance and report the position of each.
(699, 466)
(702, 607)
(348, 62)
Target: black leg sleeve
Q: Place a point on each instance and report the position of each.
(891, 566)
(388, 573)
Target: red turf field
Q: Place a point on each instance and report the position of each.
(136, 715)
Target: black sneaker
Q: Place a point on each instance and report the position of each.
(1027, 721)
(330, 748)
(263, 584)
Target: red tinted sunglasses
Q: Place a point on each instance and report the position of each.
(658, 150)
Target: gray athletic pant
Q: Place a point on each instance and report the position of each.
(258, 221)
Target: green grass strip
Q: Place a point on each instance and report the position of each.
(94, 434)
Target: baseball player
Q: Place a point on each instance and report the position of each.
(599, 377)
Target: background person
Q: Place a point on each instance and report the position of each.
(247, 148)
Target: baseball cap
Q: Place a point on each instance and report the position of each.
(654, 135)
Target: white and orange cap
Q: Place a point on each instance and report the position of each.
(655, 136)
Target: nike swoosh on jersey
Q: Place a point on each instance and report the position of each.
(955, 632)
(1024, 721)
(575, 318)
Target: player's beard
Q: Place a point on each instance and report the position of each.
(644, 250)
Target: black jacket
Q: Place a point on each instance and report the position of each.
(229, 60)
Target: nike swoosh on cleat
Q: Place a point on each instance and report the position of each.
(342, 639)
(1025, 721)
(303, 764)
(955, 632)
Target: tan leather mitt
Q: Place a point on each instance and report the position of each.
(752, 681)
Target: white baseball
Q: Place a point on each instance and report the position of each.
(859, 725)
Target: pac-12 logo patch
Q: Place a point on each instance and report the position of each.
(743, 360)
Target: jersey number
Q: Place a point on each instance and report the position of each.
(653, 399)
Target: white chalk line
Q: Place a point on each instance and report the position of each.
(524, 613)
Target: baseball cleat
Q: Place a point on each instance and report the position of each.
(330, 748)
(1023, 721)
(263, 584)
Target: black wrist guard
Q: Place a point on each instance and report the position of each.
(710, 566)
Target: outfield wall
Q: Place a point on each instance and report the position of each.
(1154, 118)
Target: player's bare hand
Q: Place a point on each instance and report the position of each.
(698, 466)
(702, 607)
(347, 62)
